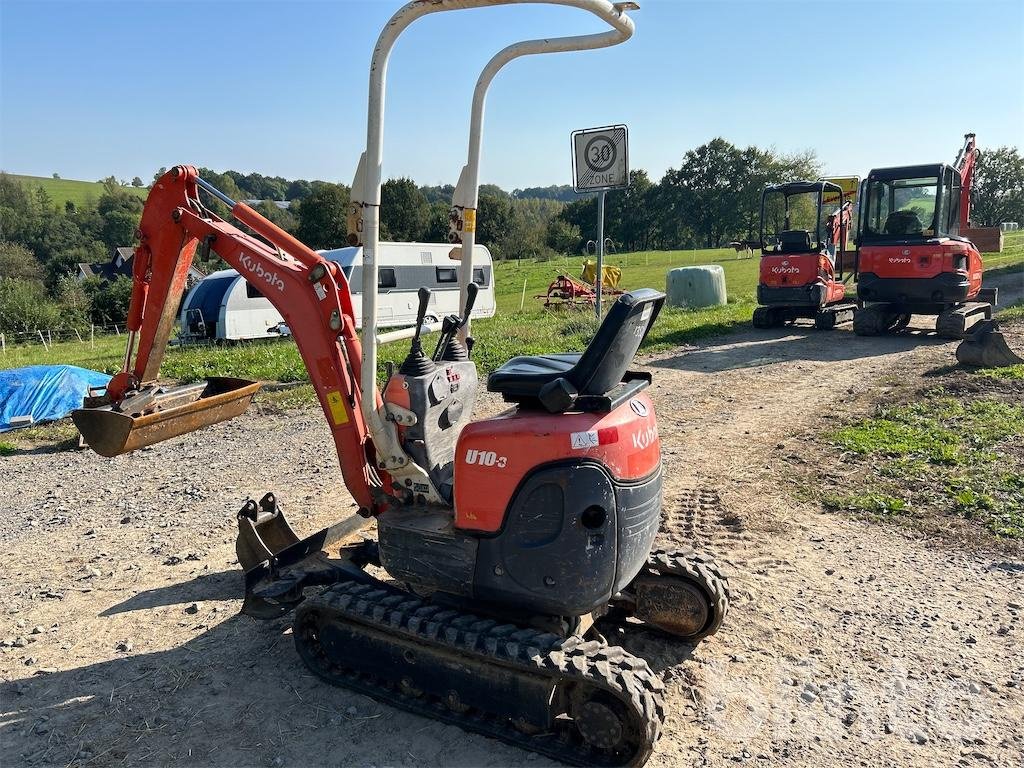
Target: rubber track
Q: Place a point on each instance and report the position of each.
(702, 569)
(523, 651)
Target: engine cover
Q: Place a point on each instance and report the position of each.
(494, 456)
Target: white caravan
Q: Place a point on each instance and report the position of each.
(224, 306)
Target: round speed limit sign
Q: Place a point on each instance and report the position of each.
(600, 158)
(600, 154)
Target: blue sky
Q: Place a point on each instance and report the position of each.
(96, 87)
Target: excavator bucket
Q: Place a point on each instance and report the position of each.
(158, 413)
(986, 347)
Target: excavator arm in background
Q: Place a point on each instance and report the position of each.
(310, 292)
(966, 160)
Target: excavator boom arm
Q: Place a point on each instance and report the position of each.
(310, 292)
(965, 162)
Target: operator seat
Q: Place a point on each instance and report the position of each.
(554, 382)
(795, 241)
(905, 222)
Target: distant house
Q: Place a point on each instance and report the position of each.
(121, 264)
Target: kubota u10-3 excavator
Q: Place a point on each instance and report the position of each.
(504, 538)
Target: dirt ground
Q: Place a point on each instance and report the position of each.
(848, 643)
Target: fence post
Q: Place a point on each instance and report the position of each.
(78, 335)
(49, 336)
(92, 335)
(42, 339)
(3, 343)
(522, 301)
(115, 330)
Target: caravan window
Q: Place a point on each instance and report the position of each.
(251, 292)
(479, 277)
(447, 274)
(386, 277)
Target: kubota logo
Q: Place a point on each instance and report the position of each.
(486, 458)
(271, 278)
(645, 437)
(899, 260)
(785, 270)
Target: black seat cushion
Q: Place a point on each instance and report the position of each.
(595, 372)
(795, 241)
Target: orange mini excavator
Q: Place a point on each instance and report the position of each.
(914, 259)
(504, 539)
(803, 255)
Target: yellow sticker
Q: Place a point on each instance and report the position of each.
(469, 220)
(337, 405)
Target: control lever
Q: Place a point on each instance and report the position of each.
(416, 363)
(451, 326)
(421, 312)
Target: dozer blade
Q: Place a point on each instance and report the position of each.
(986, 347)
(160, 413)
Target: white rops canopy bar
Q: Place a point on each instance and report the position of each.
(364, 218)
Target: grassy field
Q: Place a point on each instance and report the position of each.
(514, 330)
(939, 456)
(81, 193)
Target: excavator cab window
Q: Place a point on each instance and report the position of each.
(790, 221)
(903, 207)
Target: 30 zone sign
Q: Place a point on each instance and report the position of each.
(600, 158)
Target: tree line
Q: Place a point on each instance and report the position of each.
(710, 199)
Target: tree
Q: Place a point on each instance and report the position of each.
(18, 262)
(562, 236)
(322, 216)
(299, 189)
(24, 306)
(998, 191)
(136, 182)
(56, 175)
(403, 210)
(119, 228)
(437, 223)
(494, 219)
(108, 300)
(160, 172)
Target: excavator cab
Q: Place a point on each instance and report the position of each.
(803, 255)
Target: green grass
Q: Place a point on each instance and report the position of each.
(875, 504)
(1011, 372)
(939, 455)
(81, 193)
(7, 449)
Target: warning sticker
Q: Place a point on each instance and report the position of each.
(582, 440)
(469, 220)
(339, 414)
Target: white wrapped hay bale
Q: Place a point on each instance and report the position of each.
(702, 286)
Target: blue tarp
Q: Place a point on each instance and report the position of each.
(44, 392)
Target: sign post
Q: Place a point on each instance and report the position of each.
(600, 162)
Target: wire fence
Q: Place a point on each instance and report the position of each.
(50, 336)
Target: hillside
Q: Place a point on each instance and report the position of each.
(62, 190)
